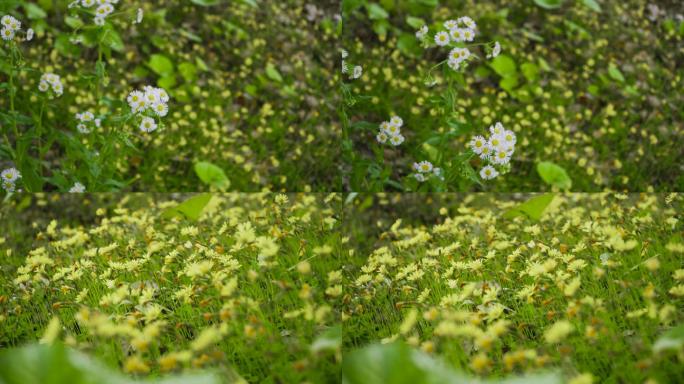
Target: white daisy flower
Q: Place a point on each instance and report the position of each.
(496, 129)
(29, 34)
(87, 3)
(488, 172)
(7, 34)
(477, 144)
(456, 35)
(77, 188)
(99, 21)
(450, 24)
(468, 22)
(501, 157)
(381, 137)
(392, 130)
(148, 124)
(396, 140)
(345, 54)
(468, 34)
(82, 128)
(104, 10)
(509, 137)
(486, 152)
(43, 86)
(139, 16)
(423, 167)
(10, 174)
(441, 38)
(8, 186)
(419, 176)
(396, 121)
(134, 98)
(161, 109)
(385, 126)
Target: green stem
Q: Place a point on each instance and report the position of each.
(39, 133)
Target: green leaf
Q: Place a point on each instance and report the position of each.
(73, 22)
(205, 3)
(188, 71)
(161, 65)
(504, 66)
(670, 340)
(615, 73)
(592, 4)
(330, 340)
(191, 208)
(40, 364)
(533, 208)
(211, 174)
(397, 363)
(549, 4)
(554, 174)
(530, 71)
(273, 73)
(414, 22)
(376, 12)
(408, 45)
(33, 11)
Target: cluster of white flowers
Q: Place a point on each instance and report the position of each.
(149, 99)
(86, 121)
(77, 188)
(103, 8)
(10, 27)
(391, 131)
(9, 179)
(457, 31)
(51, 81)
(497, 149)
(425, 170)
(356, 72)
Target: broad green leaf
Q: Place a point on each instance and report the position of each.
(504, 66)
(554, 174)
(432, 152)
(533, 208)
(273, 73)
(673, 339)
(408, 44)
(592, 4)
(34, 11)
(161, 65)
(376, 12)
(205, 3)
(211, 174)
(414, 22)
(530, 71)
(549, 4)
(43, 364)
(615, 73)
(188, 71)
(191, 208)
(330, 340)
(397, 363)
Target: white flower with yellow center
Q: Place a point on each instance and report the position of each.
(442, 38)
(488, 172)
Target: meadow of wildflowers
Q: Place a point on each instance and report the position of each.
(168, 95)
(590, 91)
(249, 289)
(262, 191)
(591, 292)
